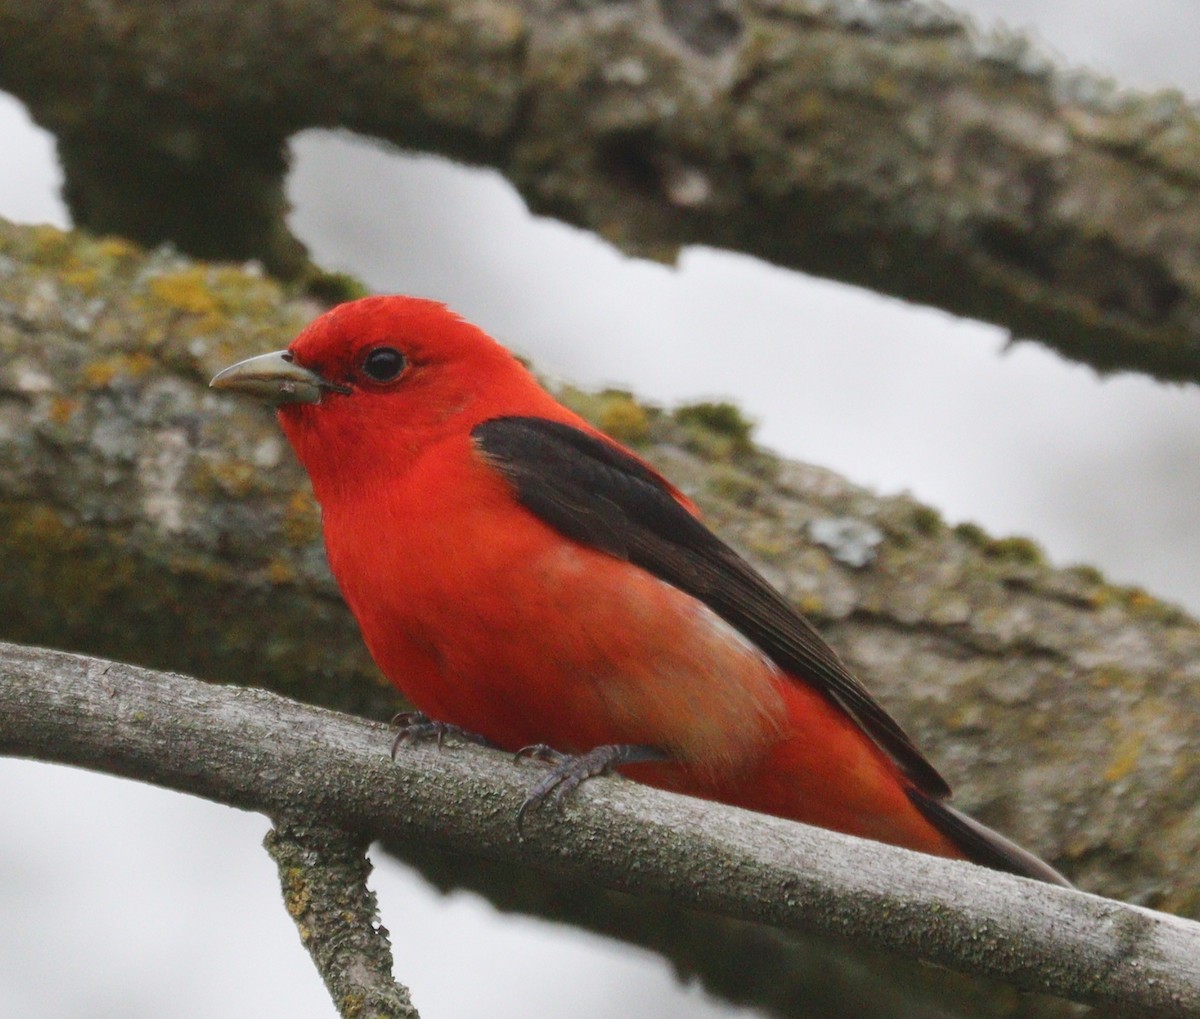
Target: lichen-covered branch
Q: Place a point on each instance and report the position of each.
(324, 872)
(884, 144)
(256, 750)
(144, 517)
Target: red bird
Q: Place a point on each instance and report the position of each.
(518, 574)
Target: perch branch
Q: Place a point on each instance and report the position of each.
(255, 750)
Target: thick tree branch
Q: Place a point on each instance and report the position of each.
(146, 517)
(884, 144)
(257, 751)
(142, 516)
(324, 872)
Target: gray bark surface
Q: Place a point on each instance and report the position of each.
(888, 145)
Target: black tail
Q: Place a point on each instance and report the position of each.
(982, 845)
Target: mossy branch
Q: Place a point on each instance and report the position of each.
(258, 751)
(323, 871)
(144, 517)
(889, 145)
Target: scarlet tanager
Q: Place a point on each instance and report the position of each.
(518, 574)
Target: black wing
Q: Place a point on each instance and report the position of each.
(982, 845)
(596, 494)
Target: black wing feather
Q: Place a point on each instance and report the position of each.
(982, 845)
(595, 493)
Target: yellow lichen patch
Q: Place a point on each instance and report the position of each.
(1111, 677)
(233, 477)
(623, 419)
(84, 279)
(766, 546)
(297, 897)
(885, 89)
(100, 373)
(117, 249)
(614, 411)
(302, 520)
(49, 245)
(1126, 757)
(1142, 603)
(1137, 598)
(811, 605)
(234, 289)
(187, 291)
(62, 409)
(137, 364)
(280, 571)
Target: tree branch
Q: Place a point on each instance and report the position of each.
(255, 750)
(324, 872)
(887, 145)
(775, 972)
(142, 516)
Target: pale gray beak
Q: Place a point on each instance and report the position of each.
(275, 378)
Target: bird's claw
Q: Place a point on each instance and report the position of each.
(571, 770)
(416, 726)
(541, 752)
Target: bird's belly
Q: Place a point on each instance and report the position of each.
(565, 645)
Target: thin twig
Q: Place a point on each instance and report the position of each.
(324, 873)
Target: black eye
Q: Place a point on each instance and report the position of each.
(383, 364)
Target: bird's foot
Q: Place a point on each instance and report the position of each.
(416, 726)
(572, 770)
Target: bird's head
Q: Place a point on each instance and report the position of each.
(372, 382)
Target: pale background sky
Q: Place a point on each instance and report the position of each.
(121, 900)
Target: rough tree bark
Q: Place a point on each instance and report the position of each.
(885, 144)
(323, 872)
(146, 517)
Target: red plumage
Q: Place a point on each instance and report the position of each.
(501, 599)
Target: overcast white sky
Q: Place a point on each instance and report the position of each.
(185, 920)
